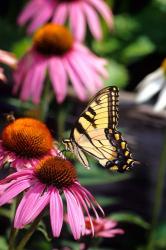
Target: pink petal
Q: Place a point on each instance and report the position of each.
(8, 58)
(2, 75)
(97, 63)
(89, 197)
(14, 190)
(60, 15)
(56, 212)
(38, 81)
(78, 27)
(75, 80)
(27, 84)
(110, 233)
(72, 214)
(93, 20)
(58, 77)
(42, 17)
(27, 173)
(80, 211)
(81, 197)
(31, 205)
(19, 74)
(29, 10)
(86, 73)
(104, 11)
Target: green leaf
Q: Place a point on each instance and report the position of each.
(73, 244)
(107, 201)
(160, 239)
(3, 244)
(131, 218)
(5, 212)
(141, 47)
(106, 47)
(93, 175)
(118, 74)
(20, 47)
(126, 26)
(43, 230)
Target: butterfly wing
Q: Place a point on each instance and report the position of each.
(95, 132)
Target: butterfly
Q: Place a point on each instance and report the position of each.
(95, 133)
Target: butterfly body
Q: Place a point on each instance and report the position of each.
(95, 133)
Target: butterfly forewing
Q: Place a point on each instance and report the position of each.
(101, 112)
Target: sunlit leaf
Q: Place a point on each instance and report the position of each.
(20, 47)
(107, 201)
(3, 244)
(131, 218)
(160, 239)
(140, 47)
(118, 74)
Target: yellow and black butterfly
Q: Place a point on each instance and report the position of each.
(95, 133)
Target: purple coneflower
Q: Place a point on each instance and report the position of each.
(44, 184)
(103, 227)
(24, 141)
(55, 52)
(78, 12)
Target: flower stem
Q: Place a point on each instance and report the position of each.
(158, 196)
(12, 237)
(13, 231)
(45, 102)
(28, 234)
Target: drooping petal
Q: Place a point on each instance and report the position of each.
(104, 11)
(26, 86)
(56, 212)
(44, 13)
(2, 75)
(81, 197)
(58, 77)
(75, 80)
(98, 64)
(87, 74)
(78, 27)
(110, 233)
(93, 20)
(18, 75)
(72, 214)
(31, 205)
(27, 173)
(13, 190)
(60, 14)
(29, 10)
(8, 58)
(84, 73)
(80, 211)
(38, 81)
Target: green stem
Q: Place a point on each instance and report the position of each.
(61, 123)
(45, 102)
(28, 234)
(12, 237)
(13, 231)
(158, 196)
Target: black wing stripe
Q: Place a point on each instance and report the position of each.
(91, 110)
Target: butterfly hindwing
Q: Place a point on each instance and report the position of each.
(95, 133)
